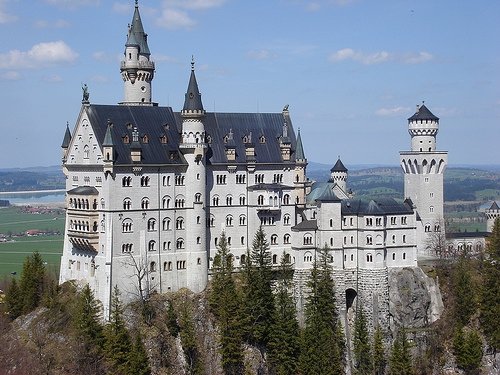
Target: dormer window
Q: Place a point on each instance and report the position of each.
(166, 127)
(129, 126)
(262, 139)
(226, 138)
(126, 139)
(145, 139)
(163, 139)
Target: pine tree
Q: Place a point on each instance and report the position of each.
(465, 303)
(379, 361)
(172, 325)
(225, 304)
(362, 350)
(490, 296)
(188, 341)
(258, 296)
(87, 319)
(467, 348)
(32, 282)
(400, 362)
(323, 345)
(284, 344)
(138, 361)
(13, 300)
(117, 346)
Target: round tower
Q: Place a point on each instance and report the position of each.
(423, 169)
(136, 68)
(193, 147)
(492, 214)
(338, 175)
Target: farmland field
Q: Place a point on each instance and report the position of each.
(17, 246)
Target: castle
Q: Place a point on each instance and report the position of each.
(149, 191)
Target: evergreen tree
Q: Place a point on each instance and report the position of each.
(138, 361)
(284, 344)
(323, 345)
(465, 304)
(258, 296)
(117, 346)
(362, 350)
(225, 304)
(188, 341)
(13, 300)
(172, 325)
(87, 319)
(379, 361)
(490, 296)
(400, 362)
(32, 282)
(467, 348)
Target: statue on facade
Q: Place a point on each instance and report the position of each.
(86, 95)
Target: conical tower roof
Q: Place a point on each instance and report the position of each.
(338, 167)
(67, 137)
(423, 113)
(136, 34)
(108, 137)
(299, 152)
(192, 100)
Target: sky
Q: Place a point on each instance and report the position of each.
(351, 71)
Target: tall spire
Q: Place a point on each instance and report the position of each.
(67, 137)
(299, 152)
(192, 101)
(136, 34)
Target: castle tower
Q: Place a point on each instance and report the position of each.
(338, 175)
(136, 67)
(492, 214)
(65, 143)
(193, 147)
(423, 169)
(300, 182)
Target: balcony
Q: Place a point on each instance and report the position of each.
(88, 241)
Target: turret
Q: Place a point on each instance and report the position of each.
(492, 214)
(65, 143)
(338, 175)
(423, 127)
(285, 141)
(108, 149)
(136, 67)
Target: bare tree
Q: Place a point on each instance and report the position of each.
(436, 242)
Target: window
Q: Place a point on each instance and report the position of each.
(404, 256)
(152, 245)
(165, 202)
(127, 181)
(86, 152)
(331, 241)
(198, 219)
(240, 178)
(242, 200)
(179, 201)
(437, 228)
(179, 180)
(229, 221)
(243, 220)
(393, 220)
(431, 195)
(352, 239)
(198, 240)
(275, 259)
(286, 219)
(369, 240)
(229, 200)
(393, 238)
(152, 267)
(352, 257)
(215, 200)
(127, 203)
(286, 199)
(242, 240)
(211, 221)
(166, 224)
(427, 228)
(151, 225)
(369, 257)
(229, 240)
(126, 248)
(179, 244)
(259, 178)
(431, 209)
(274, 239)
(369, 222)
(308, 257)
(181, 264)
(144, 181)
(404, 238)
(286, 239)
(260, 200)
(403, 220)
(308, 239)
(145, 203)
(393, 256)
(331, 223)
(197, 197)
(179, 223)
(127, 226)
(378, 221)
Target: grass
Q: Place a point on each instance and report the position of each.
(13, 253)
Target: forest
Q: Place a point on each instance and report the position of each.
(245, 323)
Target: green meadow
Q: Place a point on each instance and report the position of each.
(13, 252)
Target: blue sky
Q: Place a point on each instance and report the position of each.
(351, 71)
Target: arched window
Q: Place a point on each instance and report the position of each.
(308, 239)
(369, 257)
(179, 223)
(127, 181)
(229, 221)
(127, 226)
(197, 197)
(166, 223)
(180, 243)
(229, 200)
(211, 221)
(215, 200)
(243, 220)
(286, 219)
(286, 199)
(331, 223)
(152, 245)
(274, 239)
(145, 203)
(179, 201)
(86, 152)
(152, 267)
(242, 200)
(308, 257)
(260, 200)
(165, 202)
(127, 203)
(151, 225)
(369, 240)
(275, 259)
(404, 238)
(243, 259)
(286, 239)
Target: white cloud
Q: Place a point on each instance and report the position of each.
(99, 79)
(10, 76)
(175, 19)
(53, 78)
(193, 4)
(260, 54)
(379, 57)
(5, 17)
(58, 24)
(121, 8)
(40, 55)
(394, 111)
(72, 4)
